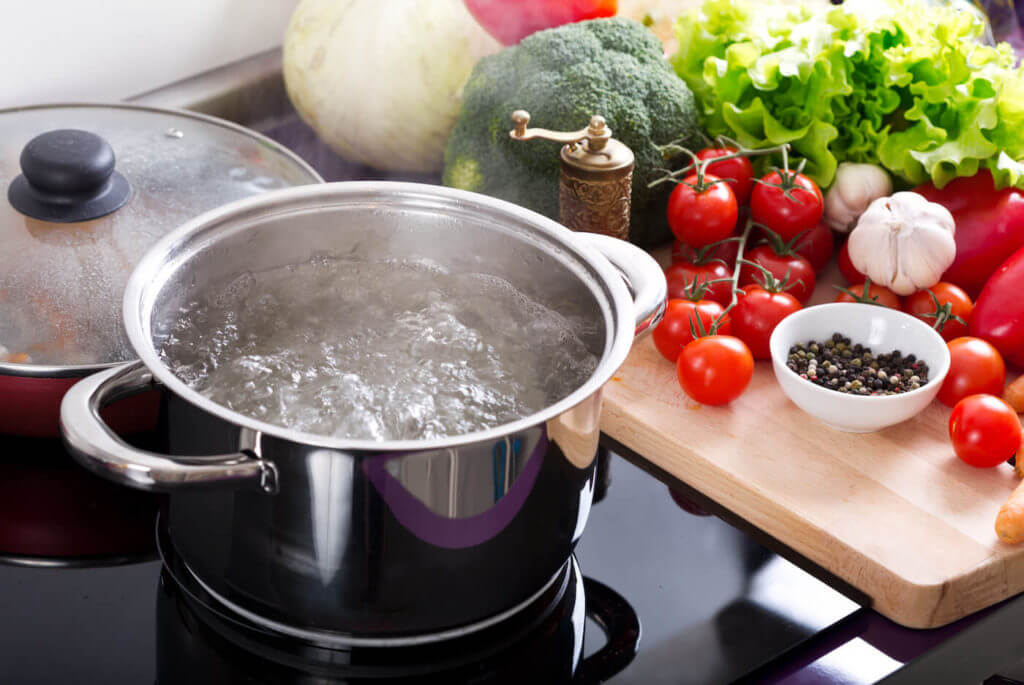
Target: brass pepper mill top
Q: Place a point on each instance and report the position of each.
(589, 149)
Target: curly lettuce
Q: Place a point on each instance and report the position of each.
(900, 83)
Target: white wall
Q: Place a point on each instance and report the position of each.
(61, 50)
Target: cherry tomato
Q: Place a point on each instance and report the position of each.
(974, 367)
(984, 430)
(699, 218)
(674, 333)
(723, 251)
(876, 293)
(793, 268)
(921, 305)
(681, 276)
(816, 246)
(738, 170)
(789, 218)
(715, 370)
(846, 267)
(757, 313)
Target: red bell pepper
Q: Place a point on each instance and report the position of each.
(998, 314)
(512, 20)
(989, 226)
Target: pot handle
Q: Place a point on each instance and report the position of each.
(99, 449)
(643, 276)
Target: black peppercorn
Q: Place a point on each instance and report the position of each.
(852, 368)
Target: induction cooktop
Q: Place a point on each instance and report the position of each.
(659, 594)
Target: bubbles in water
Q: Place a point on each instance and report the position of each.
(379, 351)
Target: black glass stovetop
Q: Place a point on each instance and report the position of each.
(712, 603)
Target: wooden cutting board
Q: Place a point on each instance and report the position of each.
(893, 513)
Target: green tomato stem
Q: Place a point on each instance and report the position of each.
(741, 244)
(672, 175)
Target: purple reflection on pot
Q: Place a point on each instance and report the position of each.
(444, 531)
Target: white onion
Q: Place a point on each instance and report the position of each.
(381, 80)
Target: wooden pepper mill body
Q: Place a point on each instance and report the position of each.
(597, 176)
(597, 202)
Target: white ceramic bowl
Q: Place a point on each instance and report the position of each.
(879, 328)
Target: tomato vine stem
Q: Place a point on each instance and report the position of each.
(702, 164)
(741, 244)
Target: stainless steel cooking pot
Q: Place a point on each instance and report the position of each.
(355, 541)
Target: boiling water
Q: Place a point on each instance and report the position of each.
(379, 351)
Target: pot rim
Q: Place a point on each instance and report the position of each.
(56, 370)
(82, 370)
(145, 283)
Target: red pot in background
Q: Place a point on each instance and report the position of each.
(30, 406)
(54, 513)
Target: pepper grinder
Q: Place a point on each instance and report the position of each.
(597, 175)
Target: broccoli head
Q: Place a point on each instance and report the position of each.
(612, 67)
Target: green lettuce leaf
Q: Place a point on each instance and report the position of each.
(900, 83)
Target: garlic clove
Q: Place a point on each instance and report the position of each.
(856, 186)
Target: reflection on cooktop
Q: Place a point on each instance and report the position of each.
(543, 644)
(714, 604)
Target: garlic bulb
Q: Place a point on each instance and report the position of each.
(903, 242)
(856, 186)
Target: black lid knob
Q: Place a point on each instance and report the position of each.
(67, 176)
(67, 161)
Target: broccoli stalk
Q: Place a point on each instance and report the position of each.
(612, 67)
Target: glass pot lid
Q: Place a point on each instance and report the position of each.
(87, 189)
